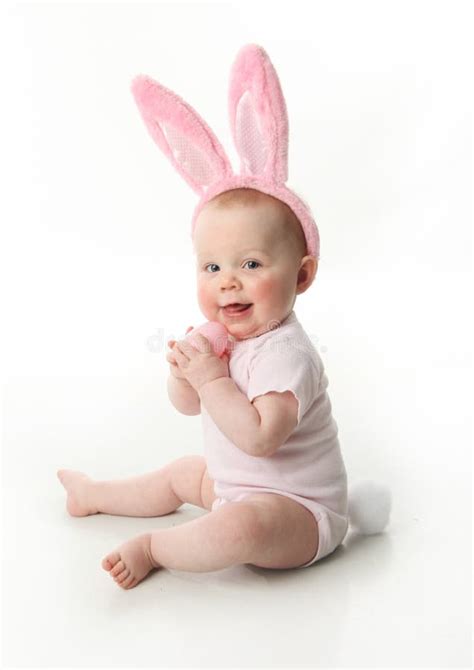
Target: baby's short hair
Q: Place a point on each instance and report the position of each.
(251, 196)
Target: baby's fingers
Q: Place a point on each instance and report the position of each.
(181, 359)
(171, 343)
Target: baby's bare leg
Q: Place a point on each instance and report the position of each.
(231, 535)
(266, 530)
(152, 494)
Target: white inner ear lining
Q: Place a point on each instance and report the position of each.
(196, 163)
(250, 139)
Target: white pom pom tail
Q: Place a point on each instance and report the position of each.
(369, 507)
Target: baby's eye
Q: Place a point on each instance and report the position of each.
(255, 262)
(211, 265)
(214, 265)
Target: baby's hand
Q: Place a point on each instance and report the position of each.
(200, 367)
(170, 357)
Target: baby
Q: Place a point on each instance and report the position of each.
(272, 478)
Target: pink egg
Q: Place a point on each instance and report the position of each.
(215, 332)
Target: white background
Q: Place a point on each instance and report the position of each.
(98, 271)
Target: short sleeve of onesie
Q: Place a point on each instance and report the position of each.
(284, 368)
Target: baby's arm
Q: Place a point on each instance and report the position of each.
(258, 432)
(183, 396)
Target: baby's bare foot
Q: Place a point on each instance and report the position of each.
(131, 562)
(77, 485)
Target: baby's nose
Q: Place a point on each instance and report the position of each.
(229, 279)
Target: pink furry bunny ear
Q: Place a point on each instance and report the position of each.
(258, 115)
(259, 126)
(182, 135)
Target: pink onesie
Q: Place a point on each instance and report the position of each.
(308, 467)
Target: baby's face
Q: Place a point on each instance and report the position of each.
(245, 255)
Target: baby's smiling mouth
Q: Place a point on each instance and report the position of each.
(236, 308)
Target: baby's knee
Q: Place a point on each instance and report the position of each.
(187, 470)
(186, 476)
(193, 462)
(241, 524)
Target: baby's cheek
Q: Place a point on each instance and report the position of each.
(205, 298)
(265, 289)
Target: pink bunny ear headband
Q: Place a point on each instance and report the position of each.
(259, 125)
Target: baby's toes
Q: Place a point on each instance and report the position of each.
(122, 576)
(129, 583)
(118, 569)
(110, 561)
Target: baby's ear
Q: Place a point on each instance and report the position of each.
(258, 115)
(182, 135)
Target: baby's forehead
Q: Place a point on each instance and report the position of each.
(240, 224)
(236, 244)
